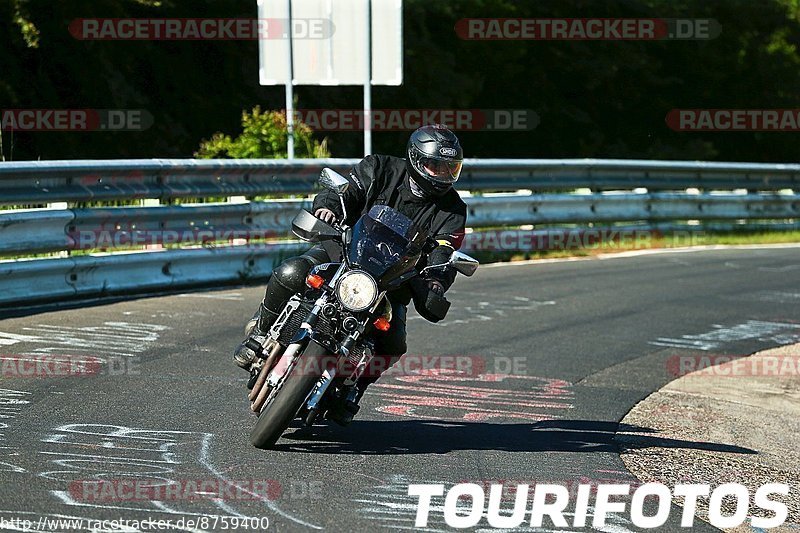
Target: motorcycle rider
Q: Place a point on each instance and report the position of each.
(420, 187)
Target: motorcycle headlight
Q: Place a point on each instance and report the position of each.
(356, 290)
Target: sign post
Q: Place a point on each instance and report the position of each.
(368, 80)
(327, 42)
(289, 88)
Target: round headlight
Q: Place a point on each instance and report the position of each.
(356, 290)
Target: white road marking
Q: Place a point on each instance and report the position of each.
(66, 499)
(484, 311)
(212, 296)
(205, 460)
(9, 339)
(149, 454)
(786, 268)
(12, 403)
(111, 338)
(782, 297)
(637, 253)
(775, 332)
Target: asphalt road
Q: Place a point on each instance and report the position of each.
(558, 353)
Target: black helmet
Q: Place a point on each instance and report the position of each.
(434, 158)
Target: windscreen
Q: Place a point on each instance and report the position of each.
(385, 243)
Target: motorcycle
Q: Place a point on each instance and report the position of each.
(322, 342)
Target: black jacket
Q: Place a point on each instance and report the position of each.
(383, 180)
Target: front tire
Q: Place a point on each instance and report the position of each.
(277, 416)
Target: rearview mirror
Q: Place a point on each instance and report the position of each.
(463, 263)
(460, 261)
(332, 180)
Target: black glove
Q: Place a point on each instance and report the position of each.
(431, 305)
(436, 286)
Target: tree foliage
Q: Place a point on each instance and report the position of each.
(27, 28)
(594, 99)
(264, 135)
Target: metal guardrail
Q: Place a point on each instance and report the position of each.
(87, 180)
(79, 229)
(38, 280)
(127, 179)
(764, 202)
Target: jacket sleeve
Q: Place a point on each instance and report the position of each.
(452, 232)
(361, 178)
(448, 239)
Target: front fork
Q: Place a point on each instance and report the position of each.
(349, 391)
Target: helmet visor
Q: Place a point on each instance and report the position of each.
(440, 170)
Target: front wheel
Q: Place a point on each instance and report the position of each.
(280, 412)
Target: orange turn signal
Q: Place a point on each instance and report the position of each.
(314, 281)
(382, 324)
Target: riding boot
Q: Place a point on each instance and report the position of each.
(287, 280)
(258, 326)
(261, 322)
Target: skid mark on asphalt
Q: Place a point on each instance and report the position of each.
(456, 397)
(79, 453)
(389, 505)
(122, 339)
(772, 332)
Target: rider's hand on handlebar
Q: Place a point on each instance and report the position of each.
(325, 215)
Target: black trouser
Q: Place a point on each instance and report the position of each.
(289, 279)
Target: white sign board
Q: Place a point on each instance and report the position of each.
(329, 42)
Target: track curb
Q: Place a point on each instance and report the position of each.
(747, 403)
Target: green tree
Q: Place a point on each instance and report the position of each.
(594, 98)
(27, 28)
(264, 135)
